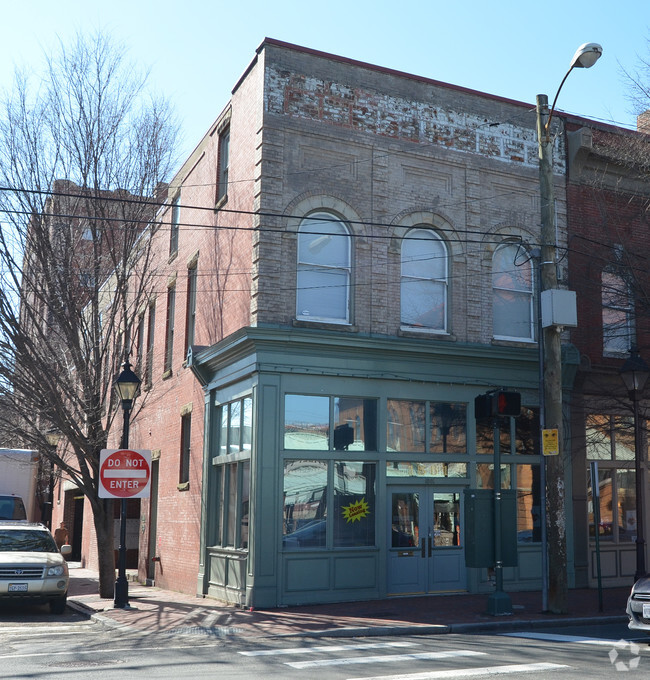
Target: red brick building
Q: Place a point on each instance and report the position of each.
(609, 229)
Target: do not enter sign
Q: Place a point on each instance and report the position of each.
(124, 473)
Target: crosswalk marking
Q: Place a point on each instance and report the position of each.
(552, 637)
(472, 672)
(328, 648)
(389, 658)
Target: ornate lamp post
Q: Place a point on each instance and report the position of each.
(634, 373)
(127, 385)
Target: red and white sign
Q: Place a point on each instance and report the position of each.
(124, 473)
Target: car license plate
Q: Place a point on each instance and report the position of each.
(646, 611)
(17, 588)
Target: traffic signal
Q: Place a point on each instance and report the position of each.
(499, 403)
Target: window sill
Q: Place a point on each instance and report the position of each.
(172, 256)
(506, 342)
(185, 486)
(325, 326)
(221, 202)
(167, 374)
(409, 332)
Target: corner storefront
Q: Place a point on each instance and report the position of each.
(335, 470)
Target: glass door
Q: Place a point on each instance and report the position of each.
(425, 551)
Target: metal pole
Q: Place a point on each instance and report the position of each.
(542, 426)
(499, 602)
(121, 584)
(638, 487)
(557, 553)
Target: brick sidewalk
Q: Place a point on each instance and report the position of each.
(156, 610)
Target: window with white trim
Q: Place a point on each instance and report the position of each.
(424, 281)
(512, 293)
(324, 270)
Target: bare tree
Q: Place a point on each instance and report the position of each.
(83, 152)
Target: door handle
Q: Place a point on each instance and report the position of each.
(430, 545)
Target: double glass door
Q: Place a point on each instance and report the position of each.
(425, 545)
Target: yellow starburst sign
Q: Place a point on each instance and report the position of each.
(355, 512)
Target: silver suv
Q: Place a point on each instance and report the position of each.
(32, 569)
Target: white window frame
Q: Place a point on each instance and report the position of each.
(521, 258)
(331, 227)
(423, 233)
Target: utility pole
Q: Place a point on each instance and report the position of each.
(555, 492)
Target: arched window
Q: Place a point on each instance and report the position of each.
(323, 281)
(618, 314)
(512, 293)
(424, 280)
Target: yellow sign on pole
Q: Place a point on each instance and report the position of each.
(550, 446)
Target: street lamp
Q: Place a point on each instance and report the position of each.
(127, 386)
(635, 373)
(551, 413)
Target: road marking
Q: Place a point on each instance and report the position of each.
(552, 637)
(103, 651)
(472, 672)
(389, 658)
(328, 648)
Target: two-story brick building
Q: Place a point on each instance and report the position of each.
(349, 263)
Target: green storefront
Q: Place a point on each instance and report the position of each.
(335, 465)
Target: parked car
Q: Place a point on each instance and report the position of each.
(32, 569)
(638, 605)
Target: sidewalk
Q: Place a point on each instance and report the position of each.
(153, 610)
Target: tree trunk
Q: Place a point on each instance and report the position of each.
(104, 523)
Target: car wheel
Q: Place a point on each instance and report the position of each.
(58, 606)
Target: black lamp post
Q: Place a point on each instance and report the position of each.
(635, 373)
(127, 385)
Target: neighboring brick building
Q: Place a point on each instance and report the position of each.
(607, 195)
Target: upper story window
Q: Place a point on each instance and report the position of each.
(223, 163)
(324, 271)
(176, 218)
(151, 328)
(190, 324)
(169, 330)
(618, 315)
(424, 281)
(512, 293)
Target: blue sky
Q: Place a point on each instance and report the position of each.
(197, 50)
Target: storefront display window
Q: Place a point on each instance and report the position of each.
(395, 468)
(610, 442)
(307, 497)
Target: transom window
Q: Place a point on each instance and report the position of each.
(324, 272)
(424, 281)
(512, 293)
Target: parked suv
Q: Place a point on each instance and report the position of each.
(32, 569)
